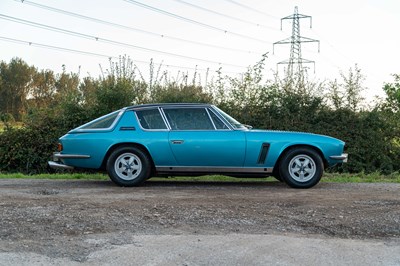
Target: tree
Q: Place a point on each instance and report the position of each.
(392, 91)
(353, 88)
(16, 82)
(43, 89)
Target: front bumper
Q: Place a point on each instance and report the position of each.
(343, 157)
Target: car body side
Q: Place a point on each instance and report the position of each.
(126, 130)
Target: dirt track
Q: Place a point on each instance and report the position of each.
(73, 219)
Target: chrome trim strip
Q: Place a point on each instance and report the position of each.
(342, 157)
(206, 169)
(209, 117)
(161, 105)
(54, 165)
(70, 156)
(164, 116)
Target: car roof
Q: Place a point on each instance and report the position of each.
(133, 107)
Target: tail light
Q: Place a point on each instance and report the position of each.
(59, 147)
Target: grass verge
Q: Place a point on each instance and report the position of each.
(328, 177)
(81, 176)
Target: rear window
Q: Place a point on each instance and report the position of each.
(102, 122)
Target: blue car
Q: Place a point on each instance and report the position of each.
(143, 141)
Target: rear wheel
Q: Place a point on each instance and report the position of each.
(128, 166)
(301, 168)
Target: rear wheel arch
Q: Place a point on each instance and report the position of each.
(127, 144)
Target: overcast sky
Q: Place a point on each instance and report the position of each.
(235, 36)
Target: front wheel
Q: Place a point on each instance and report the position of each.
(128, 166)
(301, 168)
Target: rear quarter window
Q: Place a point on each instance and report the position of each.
(103, 122)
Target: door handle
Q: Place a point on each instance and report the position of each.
(177, 141)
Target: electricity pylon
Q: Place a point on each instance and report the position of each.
(295, 49)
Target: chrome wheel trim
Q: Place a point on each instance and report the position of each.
(302, 168)
(128, 166)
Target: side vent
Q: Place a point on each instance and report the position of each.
(127, 128)
(263, 153)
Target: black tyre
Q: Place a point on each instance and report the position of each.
(128, 166)
(277, 175)
(301, 168)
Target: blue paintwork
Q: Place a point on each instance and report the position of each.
(227, 148)
(209, 148)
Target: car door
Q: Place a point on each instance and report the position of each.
(154, 135)
(199, 138)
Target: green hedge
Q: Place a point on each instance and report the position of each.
(372, 135)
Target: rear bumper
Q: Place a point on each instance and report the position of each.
(343, 157)
(57, 162)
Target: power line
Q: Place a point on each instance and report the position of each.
(98, 39)
(63, 49)
(40, 45)
(161, 11)
(112, 24)
(224, 15)
(334, 48)
(252, 9)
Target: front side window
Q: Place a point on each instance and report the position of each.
(188, 119)
(235, 124)
(151, 119)
(217, 122)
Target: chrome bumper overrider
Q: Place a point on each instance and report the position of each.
(54, 165)
(342, 157)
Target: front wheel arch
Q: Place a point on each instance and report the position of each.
(287, 149)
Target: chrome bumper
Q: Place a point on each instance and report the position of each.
(54, 165)
(342, 157)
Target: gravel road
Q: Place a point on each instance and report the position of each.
(47, 222)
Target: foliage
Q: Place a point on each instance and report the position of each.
(16, 78)
(27, 149)
(50, 104)
(392, 91)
